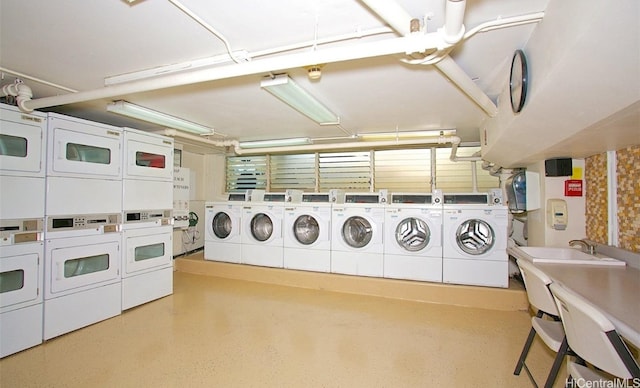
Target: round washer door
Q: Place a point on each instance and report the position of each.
(475, 237)
(222, 225)
(306, 229)
(413, 234)
(261, 227)
(357, 232)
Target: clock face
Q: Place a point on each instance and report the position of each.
(518, 81)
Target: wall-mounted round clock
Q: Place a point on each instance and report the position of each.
(518, 81)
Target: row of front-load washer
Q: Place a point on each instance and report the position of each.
(451, 238)
(85, 227)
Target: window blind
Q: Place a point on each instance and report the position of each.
(246, 172)
(403, 170)
(293, 172)
(349, 171)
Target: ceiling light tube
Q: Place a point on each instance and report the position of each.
(299, 99)
(406, 134)
(145, 114)
(275, 142)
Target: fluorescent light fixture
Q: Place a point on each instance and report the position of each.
(145, 114)
(406, 134)
(276, 142)
(299, 99)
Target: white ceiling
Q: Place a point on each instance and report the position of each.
(76, 44)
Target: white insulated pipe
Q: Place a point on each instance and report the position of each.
(474, 177)
(310, 147)
(20, 91)
(350, 145)
(453, 29)
(455, 158)
(403, 45)
(393, 14)
(450, 69)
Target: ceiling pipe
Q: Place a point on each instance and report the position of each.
(454, 140)
(245, 56)
(497, 24)
(404, 45)
(20, 91)
(451, 33)
(35, 79)
(455, 158)
(450, 69)
(453, 29)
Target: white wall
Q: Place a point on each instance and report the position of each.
(539, 232)
(193, 238)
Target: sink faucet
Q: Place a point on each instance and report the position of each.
(586, 247)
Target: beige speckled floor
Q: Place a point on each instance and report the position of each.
(217, 332)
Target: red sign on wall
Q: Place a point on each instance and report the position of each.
(573, 188)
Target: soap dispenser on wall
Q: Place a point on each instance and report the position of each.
(557, 214)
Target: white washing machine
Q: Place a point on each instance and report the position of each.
(474, 241)
(147, 263)
(413, 237)
(307, 234)
(223, 238)
(84, 167)
(22, 163)
(357, 229)
(82, 282)
(21, 302)
(261, 234)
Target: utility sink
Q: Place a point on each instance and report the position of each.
(568, 256)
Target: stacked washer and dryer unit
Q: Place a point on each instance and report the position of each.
(83, 210)
(147, 200)
(22, 181)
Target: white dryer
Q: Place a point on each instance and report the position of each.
(413, 237)
(147, 182)
(147, 263)
(357, 236)
(22, 163)
(21, 302)
(84, 167)
(474, 241)
(307, 234)
(82, 282)
(261, 234)
(223, 241)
